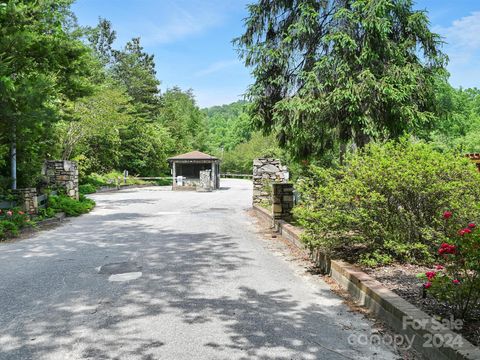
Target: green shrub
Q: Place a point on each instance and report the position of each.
(8, 229)
(45, 213)
(69, 206)
(166, 181)
(111, 179)
(87, 189)
(11, 221)
(94, 179)
(384, 205)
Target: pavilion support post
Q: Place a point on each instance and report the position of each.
(174, 173)
(214, 175)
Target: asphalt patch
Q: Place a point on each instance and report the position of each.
(119, 268)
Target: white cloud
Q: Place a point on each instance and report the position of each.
(216, 67)
(182, 20)
(463, 32)
(462, 46)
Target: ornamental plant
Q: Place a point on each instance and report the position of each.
(456, 278)
(11, 221)
(384, 204)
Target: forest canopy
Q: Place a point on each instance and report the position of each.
(327, 79)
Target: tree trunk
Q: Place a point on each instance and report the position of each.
(343, 151)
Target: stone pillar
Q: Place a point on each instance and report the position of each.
(63, 175)
(282, 201)
(265, 172)
(27, 199)
(205, 183)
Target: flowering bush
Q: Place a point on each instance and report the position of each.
(456, 279)
(384, 204)
(11, 221)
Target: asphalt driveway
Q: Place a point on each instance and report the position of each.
(156, 274)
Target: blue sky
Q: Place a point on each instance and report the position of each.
(191, 40)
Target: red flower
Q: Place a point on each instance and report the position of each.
(447, 215)
(430, 274)
(461, 232)
(427, 285)
(447, 249)
(467, 231)
(471, 225)
(455, 281)
(439, 267)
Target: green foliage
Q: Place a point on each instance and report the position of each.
(113, 178)
(93, 132)
(145, 148)
(384, 205)
(332, 72)
(87, 189)
(8, 229)
(11, 222)
(135, 70)
(45, 213)
(457, 125)
(71, 207)
(43, 64)
(239, 160)
(226, 126)
(457, 281)
(182, 118)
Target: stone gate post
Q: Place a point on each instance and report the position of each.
(62, 174)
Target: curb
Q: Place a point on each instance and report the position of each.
(402, 316)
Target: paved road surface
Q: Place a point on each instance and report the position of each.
(156, 274)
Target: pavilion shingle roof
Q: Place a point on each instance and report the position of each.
(193, 155)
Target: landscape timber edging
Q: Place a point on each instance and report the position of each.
(384, 303)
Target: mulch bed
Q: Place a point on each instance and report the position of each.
(402, 280)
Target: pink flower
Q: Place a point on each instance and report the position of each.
(471, 225)
(439, 267)
(461, 232)
(427, 285)
(9, 213)
(447, 215)
(456, 281)
(21, 213)
(430, 274)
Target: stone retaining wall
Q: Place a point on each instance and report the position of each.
(27, 199)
